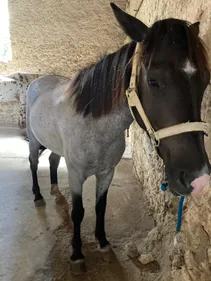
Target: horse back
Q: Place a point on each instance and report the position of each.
(43, 85)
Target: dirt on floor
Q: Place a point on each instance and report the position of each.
(35, 242)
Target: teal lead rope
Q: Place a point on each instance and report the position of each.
(179, 214)
(164, 187)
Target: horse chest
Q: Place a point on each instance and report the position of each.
(99, 156)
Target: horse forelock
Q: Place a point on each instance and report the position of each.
(181, 39)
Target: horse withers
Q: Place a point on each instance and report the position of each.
(84, 119)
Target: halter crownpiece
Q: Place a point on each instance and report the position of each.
(134, 101)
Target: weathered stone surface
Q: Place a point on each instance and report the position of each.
(186, 257)
(9, 112)
(131, 250)
(146, 258)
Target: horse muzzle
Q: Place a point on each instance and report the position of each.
(187, 183)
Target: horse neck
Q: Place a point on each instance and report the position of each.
(120, 118)
(117, 121)
(100, 88)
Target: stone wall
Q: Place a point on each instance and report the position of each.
(58, 37)
(187, 255)
(9, 113)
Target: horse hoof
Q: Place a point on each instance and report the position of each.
(77, 267)
(106, 249)
(107, 253)
(40, 203)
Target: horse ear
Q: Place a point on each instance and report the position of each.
(195, 27)
(133, 27)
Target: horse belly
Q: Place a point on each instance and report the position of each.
(44, 127)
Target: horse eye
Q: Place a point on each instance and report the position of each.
(153, 83)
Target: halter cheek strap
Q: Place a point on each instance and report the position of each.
(134, 101)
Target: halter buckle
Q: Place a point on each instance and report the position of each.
(206, 129)
(156, 141)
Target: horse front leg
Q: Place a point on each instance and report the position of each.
(102, 184)
(76, 180)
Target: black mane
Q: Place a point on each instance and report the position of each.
(101, 86)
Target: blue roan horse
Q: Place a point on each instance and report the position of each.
(84, 119)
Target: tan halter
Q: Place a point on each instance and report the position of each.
(133, 101)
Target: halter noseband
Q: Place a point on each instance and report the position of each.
(134, 101)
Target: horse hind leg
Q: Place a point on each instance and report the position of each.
(54, 160)
(41, 149)
(34, 147)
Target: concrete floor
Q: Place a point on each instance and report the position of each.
(35, 242)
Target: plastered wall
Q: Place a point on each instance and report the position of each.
(60, 37)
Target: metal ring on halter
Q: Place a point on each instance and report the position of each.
(155, 141)
(206, 129)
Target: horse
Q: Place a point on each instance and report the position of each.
(13, 87)
(83, 119)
